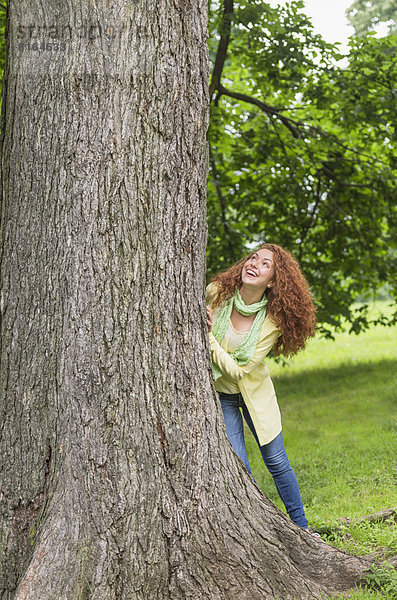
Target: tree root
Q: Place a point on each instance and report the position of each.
(388, 516)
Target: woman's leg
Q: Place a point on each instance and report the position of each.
(234, 425)
(276, 460)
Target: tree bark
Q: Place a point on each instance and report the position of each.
(118, 481)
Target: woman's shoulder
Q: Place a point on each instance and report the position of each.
(210, 292)
(269, 326)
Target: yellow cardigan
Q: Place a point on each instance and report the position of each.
(252, 379)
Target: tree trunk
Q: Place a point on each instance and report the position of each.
(118, 481)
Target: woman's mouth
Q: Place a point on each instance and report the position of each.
(250, 273)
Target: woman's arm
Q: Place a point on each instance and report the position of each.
(229, 366)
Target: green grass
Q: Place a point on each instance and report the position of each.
(338, 401)
(365, 595)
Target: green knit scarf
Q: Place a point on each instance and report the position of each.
(245, 351)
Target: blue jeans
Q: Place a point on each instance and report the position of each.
(273, 454)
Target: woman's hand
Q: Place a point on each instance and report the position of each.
(209, 319)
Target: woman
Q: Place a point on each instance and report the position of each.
(261, 303)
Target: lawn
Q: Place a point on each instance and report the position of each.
(338, 401)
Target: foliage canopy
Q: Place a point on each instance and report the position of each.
(364, 15)
(302, 151)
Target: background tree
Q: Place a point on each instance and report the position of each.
(117, 478)
(303, 151)
(365, 15)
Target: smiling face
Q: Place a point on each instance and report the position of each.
(258, 270)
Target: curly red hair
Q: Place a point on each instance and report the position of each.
(289, 300)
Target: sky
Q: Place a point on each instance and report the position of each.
(329, 18)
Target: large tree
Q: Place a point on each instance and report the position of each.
(117, 480)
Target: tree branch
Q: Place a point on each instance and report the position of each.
(270, 110)
(294, 126)
(222, 46)
(388, 516)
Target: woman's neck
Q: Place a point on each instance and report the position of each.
(251, 295)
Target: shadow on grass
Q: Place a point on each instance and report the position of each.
(349, 375)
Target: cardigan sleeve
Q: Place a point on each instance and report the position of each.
(230, 367)
(210, 292)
